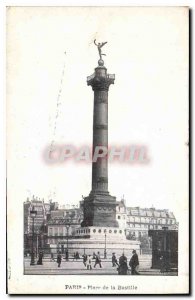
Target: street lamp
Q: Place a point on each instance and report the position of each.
(33, 214)
(67, 224)
(37, 248)
(105, 254)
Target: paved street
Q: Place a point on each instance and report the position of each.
(77, 267)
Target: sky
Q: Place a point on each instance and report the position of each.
(147, 50)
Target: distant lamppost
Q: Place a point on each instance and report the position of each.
(33, 214)
(67, 229)
(38, 237)
(105, 254)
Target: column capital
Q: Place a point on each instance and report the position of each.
(100, 80)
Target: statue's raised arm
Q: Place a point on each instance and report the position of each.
(102, 44)
(95, 43)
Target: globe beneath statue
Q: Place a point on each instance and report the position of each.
(100, 62)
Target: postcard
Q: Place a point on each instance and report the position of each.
(97, 150)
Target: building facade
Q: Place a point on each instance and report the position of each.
(43, 214)
(63, 224)
(54, 225)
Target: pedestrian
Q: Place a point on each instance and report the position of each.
(98, 260)
(114, 260)
(88, 262)
(40, 260)
(84, 259)
(123, 268)
(59, 259)
(134, 263)
(52, 257)
(77, 255)
(66, 255)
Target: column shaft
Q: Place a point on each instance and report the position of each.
(100, 138)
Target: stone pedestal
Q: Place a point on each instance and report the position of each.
(100, 239)
(99, 210)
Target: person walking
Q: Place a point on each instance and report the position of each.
(40, 260)
(97, 260)
(74, 256)
(52, 257)
(66, 255)
(88, 262)
(122, 269)
(114, 260)
(77, 255)
(134, 263)
(59, 259)
(84, 259)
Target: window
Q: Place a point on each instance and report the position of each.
(99, 231)
(119, 217)
(110, 231)
(120, 231)
(94, 230)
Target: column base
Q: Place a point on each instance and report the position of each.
(99, 210)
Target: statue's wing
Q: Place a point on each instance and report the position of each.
(95, 42)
